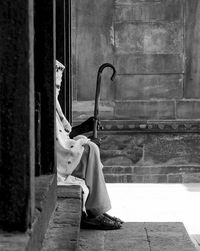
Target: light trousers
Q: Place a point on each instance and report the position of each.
(90, 169)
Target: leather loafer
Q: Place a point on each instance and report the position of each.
(113, 218)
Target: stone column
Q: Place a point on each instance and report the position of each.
(63, 52)
(16, 114)
(44, 53)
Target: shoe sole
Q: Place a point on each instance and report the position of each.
(100, 227)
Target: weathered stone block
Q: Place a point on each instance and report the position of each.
(135, 178)
(68, 204)
(118, 169)
(120, 141)
(142, 170)
(174, 173)
(111, 178)
(152, 38)
(148, 64)
(145, 110)
(174, 169)
(191, 178)
(70, 191)
(153, 158)
(160, 153)
(132, 236)
(91, 240)
(64, 227)
(125, 178)
(122, 160)
(174, 178)
(155, 178)
(169, 10)
(96, 13)
(92, 44)
(121, 150)
(169, 236)
(89, 60)
(125, 157)
(85, 109)
(130, 2)
(188, 109)
(141, 87)
(123, 13)
(172, 149)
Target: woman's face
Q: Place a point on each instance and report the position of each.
(58, 82)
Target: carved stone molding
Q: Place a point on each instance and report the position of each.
(151, 126)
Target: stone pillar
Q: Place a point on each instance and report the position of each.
(192, 49)
(63, 52)
(44, 53)
(16, 114)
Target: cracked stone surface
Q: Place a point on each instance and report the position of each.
(168, 236)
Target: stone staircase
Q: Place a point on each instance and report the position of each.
(150, 157)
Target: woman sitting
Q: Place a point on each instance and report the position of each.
(78, 162)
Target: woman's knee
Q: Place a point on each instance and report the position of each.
(93, 146)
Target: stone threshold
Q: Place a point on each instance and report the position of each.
(64, 227)
(45, 201)
(152, 174)
(139, 236)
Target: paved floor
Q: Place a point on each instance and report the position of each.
(158, 203)
(138, 236)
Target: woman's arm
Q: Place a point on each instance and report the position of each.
(86, 126)
(65, 122)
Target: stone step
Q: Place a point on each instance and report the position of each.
(152, 174)
(134, 236)
(64, 226)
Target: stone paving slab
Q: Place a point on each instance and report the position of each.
(171, 236)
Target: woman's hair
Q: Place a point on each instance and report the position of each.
(59, 66)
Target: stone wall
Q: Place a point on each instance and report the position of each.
(153, 106)
(151, 157)
(154, 45)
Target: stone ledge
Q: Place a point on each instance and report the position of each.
(149, 126)
(64, 228)
(71, 191)
(45, 200)
(151, 170)
(152, 174)
(153, 178)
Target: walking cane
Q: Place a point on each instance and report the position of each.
(97, 96)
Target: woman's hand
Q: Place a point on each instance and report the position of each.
(97, 141)
(66, 125)
(83, 141)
